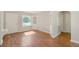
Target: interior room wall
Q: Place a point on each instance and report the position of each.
(21, 28)
(74, 26)
(11, 22)
(0, 28)
(1, 19)
(68, 21)
(61, 18)
(43, 21)
(15, 19)
(65, 20)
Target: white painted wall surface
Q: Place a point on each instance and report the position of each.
(14, 21)
(65, 21)
(21, 28)
(11, 22)
(1, 20)
(43, 21)
(75, 26)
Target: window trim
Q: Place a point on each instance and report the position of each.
(30, 19)
(35, 19)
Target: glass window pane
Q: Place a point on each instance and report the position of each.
(26, 21)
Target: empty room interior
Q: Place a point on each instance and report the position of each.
(39, 29)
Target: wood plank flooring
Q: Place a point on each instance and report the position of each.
(35, 38)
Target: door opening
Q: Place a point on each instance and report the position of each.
(65, 22)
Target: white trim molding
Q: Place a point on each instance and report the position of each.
(54, 36)
(75, 41)
(2, 33)
(1, 41)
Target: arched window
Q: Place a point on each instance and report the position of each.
(26, 21)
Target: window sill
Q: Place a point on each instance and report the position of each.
(27, 26)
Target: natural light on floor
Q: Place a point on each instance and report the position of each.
(29, 33)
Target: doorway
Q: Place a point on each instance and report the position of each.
(65, 21)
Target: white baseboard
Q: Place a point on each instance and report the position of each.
(1, 41)
(56, 35)
(75, 41)
(2, 33)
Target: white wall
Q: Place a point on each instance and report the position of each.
(43, 21)
(65, 20)
(14, 20)
(46, 21)
(11, 22)
(75, 26)
(1, 19)
(21, 28)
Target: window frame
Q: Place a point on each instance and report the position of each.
(29, 18)
(36, 20)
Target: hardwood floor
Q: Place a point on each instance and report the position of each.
(35, 38)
